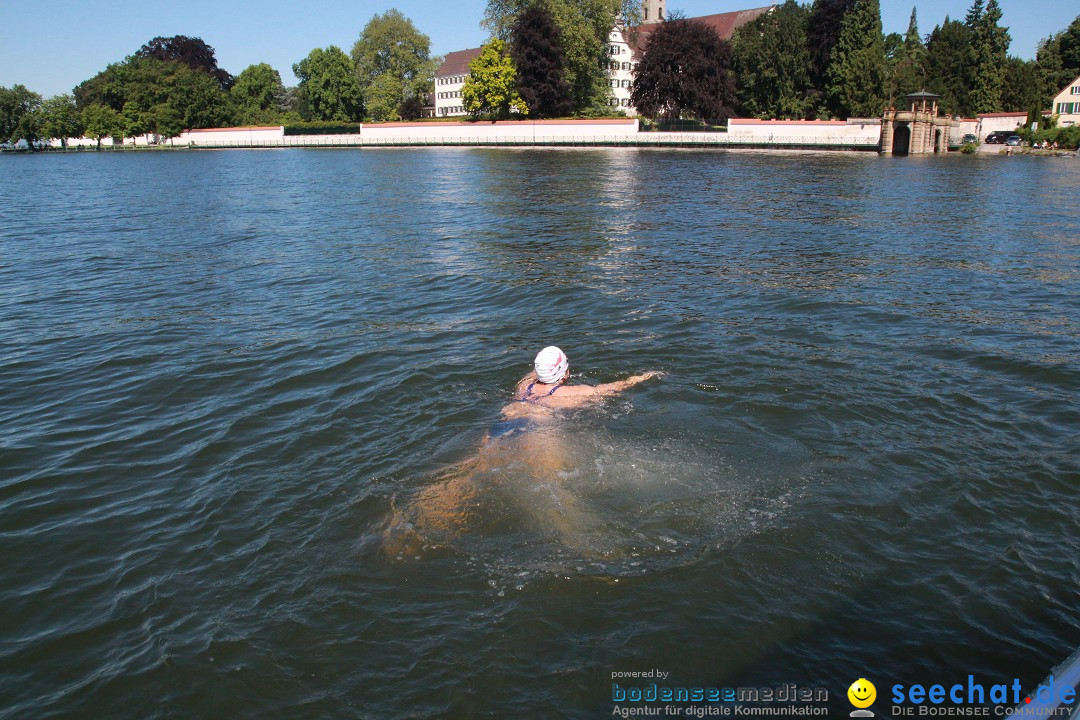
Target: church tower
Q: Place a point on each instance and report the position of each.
(652, 11)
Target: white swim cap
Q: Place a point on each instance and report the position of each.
(550, 364)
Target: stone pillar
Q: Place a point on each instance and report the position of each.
(887, 124)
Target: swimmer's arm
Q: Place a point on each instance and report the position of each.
(620, 385)
(608, 389)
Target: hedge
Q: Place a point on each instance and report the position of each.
(322, 128)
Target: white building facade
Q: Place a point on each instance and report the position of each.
(622, 65)
(1067, 105)
(449, 81)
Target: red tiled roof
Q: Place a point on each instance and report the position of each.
(457, 62)
(1003, 114)
(724, 24)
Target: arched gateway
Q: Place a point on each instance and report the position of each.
(917, 130)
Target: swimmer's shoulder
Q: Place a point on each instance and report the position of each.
(578, 391)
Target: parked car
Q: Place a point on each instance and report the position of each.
(1014, 141)
(969, 139)
(998, 137)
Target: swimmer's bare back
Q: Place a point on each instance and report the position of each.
(538, 399)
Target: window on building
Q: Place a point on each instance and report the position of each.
(1074, 90)
(625, 102)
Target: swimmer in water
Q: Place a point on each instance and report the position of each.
(543, 392)
(522, 438)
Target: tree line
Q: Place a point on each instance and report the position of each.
(548, 58)
(830, 58)
(174, 83)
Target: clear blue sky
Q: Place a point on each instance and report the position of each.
(53, 45)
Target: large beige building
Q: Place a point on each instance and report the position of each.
(1067, 105)
(625, 49)
(450, 79)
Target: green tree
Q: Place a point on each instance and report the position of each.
(101, 121)
(685, 72)
(491, 86)
(987, 55)
(138, 85)
(329, 87)
(907, 66)
(1057, 61)
(538, 56)
(947, 54)
(61, 119)
(167, 121)
(822, 34)
(1069, 49)
(583, 27)
(856, 77)
(258, 94)
(772, 64)
(17, 103)
(394, 62)
(1021, 89)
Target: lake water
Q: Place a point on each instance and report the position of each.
(222, 374)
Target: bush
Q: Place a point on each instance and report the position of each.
(322, 128)
(969, 148)
(411, 108)
(1067, 138)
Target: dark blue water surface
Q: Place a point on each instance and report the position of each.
(223, 373)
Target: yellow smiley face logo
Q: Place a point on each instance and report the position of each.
(862, 693)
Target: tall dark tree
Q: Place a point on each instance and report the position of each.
(1069, 48)
(584, 26)
(1058, 61)
(1021, 89)
(538, 56)
(856, 77)
(907, 71)
(685, 72)
(822, 34)
(192, 52)
(947, 54)
(772, 64)
(988, 54)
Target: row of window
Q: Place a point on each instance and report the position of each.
(622, 83)
(616, 102)
(450, 94)
(616, 66)
(1067, 109)
(616, 49)
(451, 80)
(451, 111)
